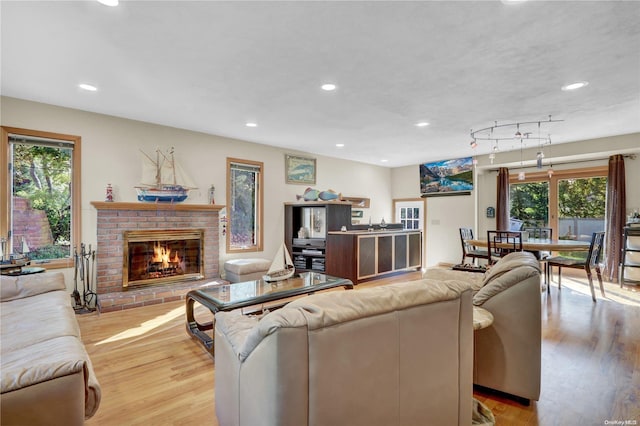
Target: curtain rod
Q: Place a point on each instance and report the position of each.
(557, 163)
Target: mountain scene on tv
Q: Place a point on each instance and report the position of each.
(448, 176)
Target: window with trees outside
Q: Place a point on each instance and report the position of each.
(244, 205)
(571, 202)
(41, 197)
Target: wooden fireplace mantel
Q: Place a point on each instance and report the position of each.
(109, 205)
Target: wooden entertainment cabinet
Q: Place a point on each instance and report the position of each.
(355, 254)
(317, 218)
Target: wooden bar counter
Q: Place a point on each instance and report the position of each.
(364, 255)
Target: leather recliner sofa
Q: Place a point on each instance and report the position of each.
(47, 376)
(507, 354)
(395, 355)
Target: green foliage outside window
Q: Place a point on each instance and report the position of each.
(243, 208)
(580, 201)
(42, 175)
(530, 203)
(582, 197)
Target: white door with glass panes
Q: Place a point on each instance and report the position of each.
(411, 214)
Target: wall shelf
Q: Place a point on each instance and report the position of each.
(358, 202)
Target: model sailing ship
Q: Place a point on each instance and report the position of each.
(282, 266)
(163, 180)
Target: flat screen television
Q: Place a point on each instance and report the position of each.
(447, 177)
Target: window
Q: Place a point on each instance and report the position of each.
(41, 197)
(530, 203)
(244, 205)
(571, 202)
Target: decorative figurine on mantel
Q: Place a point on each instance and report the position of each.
(212, 195)
(163, 180)
(109, 196)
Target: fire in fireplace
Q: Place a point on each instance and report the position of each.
(161, 256)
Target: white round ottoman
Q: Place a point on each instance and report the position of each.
(239, 270)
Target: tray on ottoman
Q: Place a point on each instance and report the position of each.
(469, 268)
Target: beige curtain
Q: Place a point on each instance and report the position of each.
(502, 202)
(616, 216)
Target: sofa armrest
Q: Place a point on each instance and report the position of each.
(40, 372)
(508, 353)
(52, 402)
(50, 361)
(22, 286)
(236, 328)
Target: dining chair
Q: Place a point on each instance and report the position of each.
(469, 250)
(501, 243)
(541, 233)
(592, 261)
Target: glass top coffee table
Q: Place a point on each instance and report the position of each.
(227, 297)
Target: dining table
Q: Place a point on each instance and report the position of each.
(543, 244)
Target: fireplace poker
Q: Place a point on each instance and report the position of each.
(89, 294)
(76, 293)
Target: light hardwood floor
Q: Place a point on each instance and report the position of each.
(152, 373)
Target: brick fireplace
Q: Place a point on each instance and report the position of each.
(117, 219)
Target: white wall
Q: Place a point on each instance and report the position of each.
(111, 154)
(446, 214)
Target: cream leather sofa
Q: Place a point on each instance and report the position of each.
(507, 354)
(393, 355)
(47, 377)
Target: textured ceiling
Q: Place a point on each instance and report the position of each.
(213, 66)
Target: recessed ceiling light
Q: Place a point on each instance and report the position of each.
(340, 145)
(328, 87)
(251, 125)
(422, 124)
(575, 86)
(87, 87)
(111, 3)
(384, 160)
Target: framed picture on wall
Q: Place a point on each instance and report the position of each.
(300, 170)
(449, 177)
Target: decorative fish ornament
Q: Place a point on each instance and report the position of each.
(328, 195)
(310, 194)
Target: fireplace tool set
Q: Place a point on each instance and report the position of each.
(84, 262)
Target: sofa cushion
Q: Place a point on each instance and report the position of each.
(12, 288)
(475, 280)
(36, 319)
